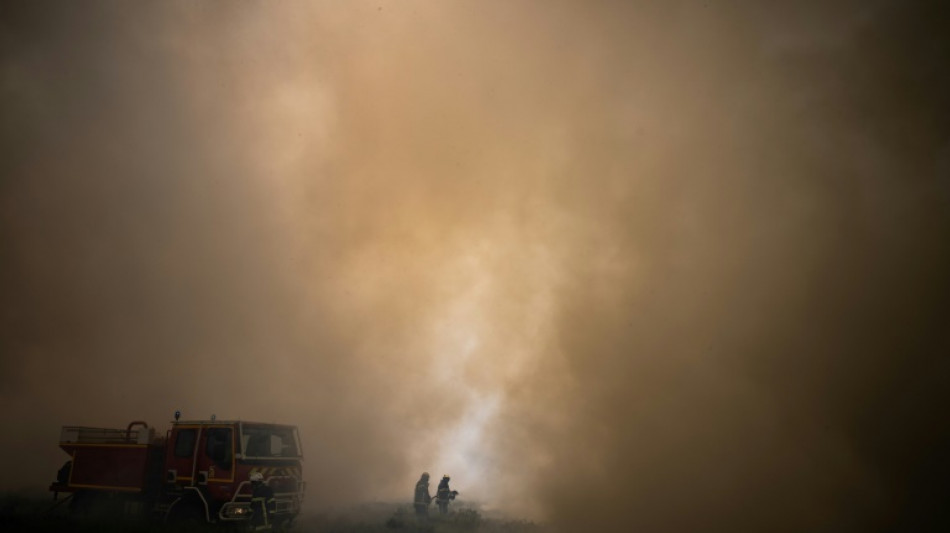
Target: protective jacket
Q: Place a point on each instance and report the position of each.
(422, 498)
(444, 494)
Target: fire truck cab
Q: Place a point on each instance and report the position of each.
(199, 471)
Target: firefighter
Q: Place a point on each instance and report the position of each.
(262, 503)
(422, 497)
(444, 494)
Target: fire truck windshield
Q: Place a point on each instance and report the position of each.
(269, 441)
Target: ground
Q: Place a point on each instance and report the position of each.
(33, 511)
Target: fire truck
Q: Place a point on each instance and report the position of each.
(197, 472)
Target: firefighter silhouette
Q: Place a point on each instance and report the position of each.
(444, 495)
(422, 498)
(262, 503)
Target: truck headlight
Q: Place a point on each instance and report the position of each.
(238, 512)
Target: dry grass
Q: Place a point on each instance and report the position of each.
(35, 512)
(400, 518)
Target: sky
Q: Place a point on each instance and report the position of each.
(658, 266)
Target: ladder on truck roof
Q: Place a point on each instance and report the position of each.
(90, 435)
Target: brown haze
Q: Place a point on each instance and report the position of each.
(664, 266)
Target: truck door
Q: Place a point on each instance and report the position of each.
(215, 459)
(181, 454)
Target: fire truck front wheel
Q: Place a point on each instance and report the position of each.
(186, 512)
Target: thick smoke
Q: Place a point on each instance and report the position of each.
(643, 266)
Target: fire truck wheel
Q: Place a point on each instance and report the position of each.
(80, 502)
(186, 513)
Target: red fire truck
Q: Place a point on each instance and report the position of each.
(198, 471)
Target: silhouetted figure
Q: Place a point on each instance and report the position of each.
(444, 495)
(422, 497)
(262, 503)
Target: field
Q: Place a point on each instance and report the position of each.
(34, 511)
(400, 518)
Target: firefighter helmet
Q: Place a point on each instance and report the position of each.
(256, 477)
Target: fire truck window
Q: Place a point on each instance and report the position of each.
(218, 447)
(185, 443)
(276, 445)
(269, 441)
(256, 446)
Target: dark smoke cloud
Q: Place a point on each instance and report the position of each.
(651, 266)
(765, 347)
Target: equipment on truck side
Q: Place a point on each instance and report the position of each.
(201, 470)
